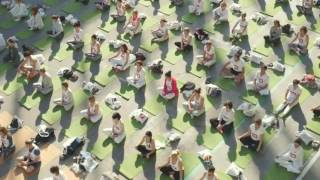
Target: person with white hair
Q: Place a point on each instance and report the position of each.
(35, 21)
(260, 81)
(19, 10)
(208, 57)
(137, 80)
(196, 7)
(292, 159)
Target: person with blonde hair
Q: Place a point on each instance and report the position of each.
(220, 14)
(174, 166)
(133, 26)
(92, 113)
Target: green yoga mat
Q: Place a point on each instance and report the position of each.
(155, 105)
(191, 17)
(247, 3)
(105, 77)
(10, 87)
(4, 67)
(173, 57)
(272, 8)
(8, 23)
(25, 34)
(102, 147)
(316, 69)
(314, 125)
(190, 161)
(78, 127)
(133, 165)
(51, 2)
(83, 65)
(149, 46)
(198, 70)
(110, 25)
(35, 98)
(167, 9)
(63, 53)
(279, 172)
(145, 3)
(225, 84)
(72, 7)
(182, 122)
(43, 44)
(244, 156)
(54, 114)
(89, 15)
(3, 11)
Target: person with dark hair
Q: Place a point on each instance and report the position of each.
(133, 26)
(291, 98)
(77, 41)
(176, 2)
(234, 68)
(121, 60)
(57, 174)
(170, 88)
(186, 40)
(19, 10)
(300, 42)
(57, 28)
(209, 175)
(12, 53)
(292, 159)
(274, 36)
(208, 57)
(220, 14)
(201, 35)
(174, 166)
(195, 104)
(121, 11)
(66, 101)
(94, 54)
(117, 132)
(29, 66)
(45, 86)
(30, 162)
(260, 82)
(253, 138)
(92, 112)
(6, 143)
(147, 146)
(137, 80)
(161, 33)
(224, 122)
(306, 7)
(102, 4)
(240, 28)
(35, 21)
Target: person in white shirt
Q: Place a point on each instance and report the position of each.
(147, 146)
(234, 68)
(220, 14)
(103, 4)
(35, 21)
(77, 41)
(208, 57)
(66, 101)
(57, 27)
(30, 162)
(29, 66)
(300, 42)
(92, 112)
(94, 54)
(121, 11)
(239, 29)
(195, 104)
(291, 98)
(19, 10)
(253, 138)
(57, 174)
(306, 7)
(174, 166)
(137, 80)
(260, 81)
(45, 86)
(209, 175)
(196, 7)
(117, 132)
(133, 27)
(292, 159)
(185, 42)
(224, 122)
(161, 34)
(122, 59)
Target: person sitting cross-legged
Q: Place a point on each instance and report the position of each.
(274, 37)
(186, 40)
(122, 59)
(292, 159)
(66, 100)
(77, 41)
(11, 53)
(147, 146)
(306, 7)
(220, 14)
(35, 21)
(19, 10)
(234, 68)
(117, 132)
(260, 81)
(7, 146)
(137, 80)
(253, 138)
(240, 29)
(161, 33)
(174, 166)
(208, 57)
(209, 175)
(92, 113)
(224, 122)
(300, 42)
(196, 7)
(57, 27)
(30, 162)
(195, 105)
(94, 54)
(121, 11)
(170, 88)
(29, 66)
(45, 86)
(133, 26)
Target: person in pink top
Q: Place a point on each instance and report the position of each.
(169, 89)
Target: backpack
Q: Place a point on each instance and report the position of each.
(16, 123)
(188, 86)
(156, 67)
(45, 134)
(75, 144)
(287, 29)
(113, 101)
(140, 56)
(70, 75)
(91, 87)
(213, 90)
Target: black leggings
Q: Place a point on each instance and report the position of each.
(143, 150)
(167, 170)
(252, 144)
(185, 47)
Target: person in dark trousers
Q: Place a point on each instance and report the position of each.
(147, 146)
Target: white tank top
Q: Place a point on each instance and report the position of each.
(175, 166)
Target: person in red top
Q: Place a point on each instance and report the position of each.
(133, 26)
(169, 89)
